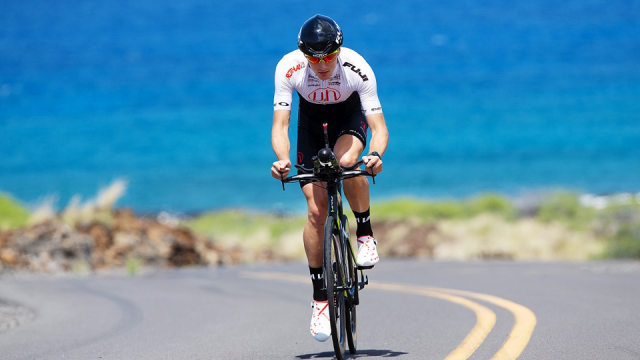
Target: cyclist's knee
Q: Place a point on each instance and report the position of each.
(348, 159)
(317, 214)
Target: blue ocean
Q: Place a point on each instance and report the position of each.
(479, 96)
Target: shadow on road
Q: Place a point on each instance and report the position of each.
(359, 354)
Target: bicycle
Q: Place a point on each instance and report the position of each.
(340, 268)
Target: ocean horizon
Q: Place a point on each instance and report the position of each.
(514, 98)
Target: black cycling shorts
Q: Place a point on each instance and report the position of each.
(344, 118)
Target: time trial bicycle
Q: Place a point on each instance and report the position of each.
(340, 268)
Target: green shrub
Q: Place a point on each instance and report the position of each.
(491, 203)
(242, 223)
(408, 208)
(565, 207)
(625, 243)
(12, 214)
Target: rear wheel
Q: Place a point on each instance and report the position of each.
(335, 279)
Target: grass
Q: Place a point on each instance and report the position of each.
(616, 220)
(133, 265)
(565, 207)
(12, 214)
(254, 231)
(620, 225)
(491, 236)
(243, 224)
(560, 227)
(625, 243)
(404, 209)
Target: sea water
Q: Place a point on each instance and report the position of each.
(512, 97)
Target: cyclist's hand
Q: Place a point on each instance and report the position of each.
(373, 164)
(280, 169)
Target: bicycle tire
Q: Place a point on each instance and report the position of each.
(352, 293)
(352, 329)
(334, 277)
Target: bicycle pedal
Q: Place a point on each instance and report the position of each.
(361, 284)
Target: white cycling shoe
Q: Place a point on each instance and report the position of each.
(320, 325)
(367, 251)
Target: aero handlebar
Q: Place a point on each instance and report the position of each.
(326, 168)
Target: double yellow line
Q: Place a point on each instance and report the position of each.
(525, 320)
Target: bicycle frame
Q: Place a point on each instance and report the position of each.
(334, 201)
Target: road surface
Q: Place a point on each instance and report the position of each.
(411, 310)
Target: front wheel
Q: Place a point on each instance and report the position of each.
(335, 280)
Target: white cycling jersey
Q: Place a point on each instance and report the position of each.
(352, 74)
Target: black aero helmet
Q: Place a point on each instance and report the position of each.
(319, 36)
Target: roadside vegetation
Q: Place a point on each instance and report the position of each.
(12, 214)
(403, 209)
(257, 232)
(554, 226)
(89, 235)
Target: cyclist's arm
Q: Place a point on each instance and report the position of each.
(280, 143)
(379, 141)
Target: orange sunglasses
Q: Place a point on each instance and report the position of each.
(326, 58)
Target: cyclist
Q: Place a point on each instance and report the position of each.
(335, 85)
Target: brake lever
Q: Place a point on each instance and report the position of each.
(373, 175)
(282, 180)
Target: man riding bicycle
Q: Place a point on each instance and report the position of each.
(336, 86)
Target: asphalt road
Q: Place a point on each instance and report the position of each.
(542, 310)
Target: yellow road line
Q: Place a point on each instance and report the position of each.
(525, 322)
(525, 319)
(485, 318)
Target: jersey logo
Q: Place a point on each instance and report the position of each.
(356, 70)
(324, 95)
(294, 69)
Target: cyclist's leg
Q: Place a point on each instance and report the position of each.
(313, 234)
(348, 149)
(310, 141)
(352, 139)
